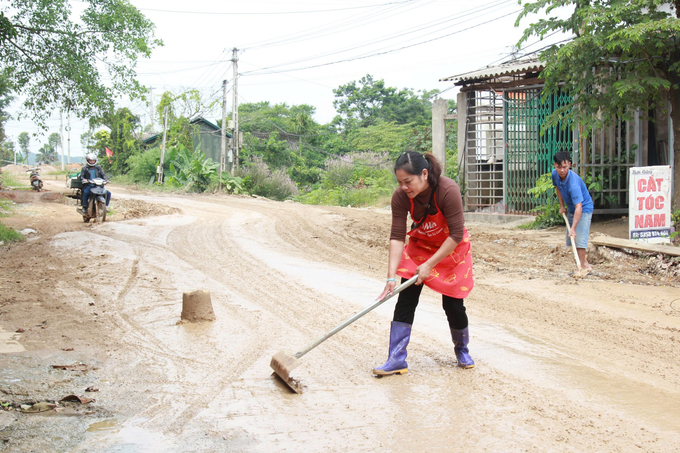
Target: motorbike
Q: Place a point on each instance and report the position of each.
(36, 181)
(96, 205)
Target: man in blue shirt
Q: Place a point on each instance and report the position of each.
(572, 192)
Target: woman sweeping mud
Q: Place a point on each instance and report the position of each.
(438, 250)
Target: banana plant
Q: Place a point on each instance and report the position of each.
(192, 170)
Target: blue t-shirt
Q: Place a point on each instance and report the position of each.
(574, 191)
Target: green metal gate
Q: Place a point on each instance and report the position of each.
(528, 154)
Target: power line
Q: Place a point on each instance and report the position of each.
(416, 29)
(180, 70)
(482, 9)
(384, 52)
(334, 27)
(269, 13)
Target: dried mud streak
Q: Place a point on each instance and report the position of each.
(154, 350)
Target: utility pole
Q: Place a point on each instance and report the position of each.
(61, 138)
(234, 112)
(153, 125)
(223, 150)
(165, 131)
(68, 130)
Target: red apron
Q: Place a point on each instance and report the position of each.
(452, 276)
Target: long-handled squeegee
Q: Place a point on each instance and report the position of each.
(283, 362)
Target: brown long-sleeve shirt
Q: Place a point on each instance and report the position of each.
(450, 203)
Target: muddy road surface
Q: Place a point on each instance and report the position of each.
(563, 364)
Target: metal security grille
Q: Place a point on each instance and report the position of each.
(484, 152)
(506, 154)
(528, 153)
(603, 163)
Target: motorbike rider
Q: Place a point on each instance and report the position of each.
(91, 171)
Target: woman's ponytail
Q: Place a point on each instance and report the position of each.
(414, 163)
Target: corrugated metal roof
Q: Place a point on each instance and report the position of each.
(517, 67)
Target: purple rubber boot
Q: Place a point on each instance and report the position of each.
(461, 338)
(400, 334)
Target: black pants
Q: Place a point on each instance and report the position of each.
(405, 309)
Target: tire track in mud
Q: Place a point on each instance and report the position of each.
(116, 313)
(289, 308)
(175, 363)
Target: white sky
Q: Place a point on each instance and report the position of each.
(421, 41)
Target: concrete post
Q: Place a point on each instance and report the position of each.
(461, 102)
(439, 108)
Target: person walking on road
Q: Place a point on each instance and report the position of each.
(438, 250)
(572, 192)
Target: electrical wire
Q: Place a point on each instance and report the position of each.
(269, 13)
(206, 75)
(336, 26)
(426, 26)
(384, 52)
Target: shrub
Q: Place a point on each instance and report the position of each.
(549, 212)
(339, 172)
(358, 179)
(232, 184)
(192, 170)
(259, 180)
(143, 166)
(675, 220)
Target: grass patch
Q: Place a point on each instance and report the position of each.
(8, 234)
(354, 197)
(10, 181)
(6, 207)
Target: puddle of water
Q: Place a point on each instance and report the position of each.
(552, 367)
(9, 342)
(352, 287)
(105, 425)
(125, 438)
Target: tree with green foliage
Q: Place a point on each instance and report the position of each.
(625, 56)
(365, 102)
(122, 140)
(270, 131)
(97, 142)
(47, 154)
(6, 152)
(181, 108)
(58, 60)
(24, 147)
(54, 141)
(303, 124)
(5, 99)
(381, 137)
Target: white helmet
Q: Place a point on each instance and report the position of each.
(91, 157)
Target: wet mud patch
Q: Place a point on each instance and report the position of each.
(124, 209)
(31, 196)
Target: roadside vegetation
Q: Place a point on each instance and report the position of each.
(7, 234)
(285, 154)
